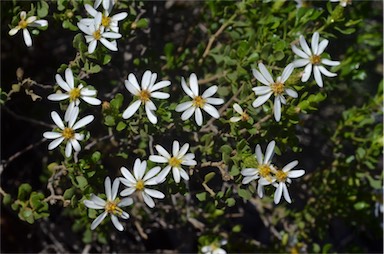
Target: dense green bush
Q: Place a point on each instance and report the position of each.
(164, 117)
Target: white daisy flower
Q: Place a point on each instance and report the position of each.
(96, 32)
(214, 248)
(204, 101)
(312, 59)
(74, 94)
(67, 131)
(179, 157)
(263, 170)
(24, 23)
(144, 94)
(343, 3)
(284, 176)
(138, 181)
(243, 115)
(107, 4)
(277, 88)
(111, 206)
(109, 22)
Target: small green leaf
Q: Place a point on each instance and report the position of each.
(201, 196)
(236, 228)
(7, 199)
(68, 193)
(244, 194)
(42, 9)
(117, 101)
(109, 121)
(96, 156)
(209, 176)
(121, 126)
(82, 182)
(24, 190)
(360, 205)
(230, 202)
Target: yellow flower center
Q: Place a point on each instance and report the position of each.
(198, 101)
(74, 94)
(174, 162)
(265, 172)
(105, 21)
(140, 185)
(144, 95)
(244, 117)
(97, 34)
(277, 88)
(23, 24)
(68, 133)
(111, 207)
(281, 176)
(315, 59)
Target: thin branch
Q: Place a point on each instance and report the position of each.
(55, 177)
(5, 163)
(140, 230)
(27, 119)
(212, 78)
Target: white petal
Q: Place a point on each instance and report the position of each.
(90, 10)
(260, 77)
(150, 114)
(150, 105)
(291, 92)
(163, 174)
(125, 202)
(259, 154)
(211, 110)
(160, 85)
(329, 62)
(278, 192)
(260, 90)
(108, 44)
(154, 193)
(75, 144)
(138, 169)
(148, 200)
(304, 46)
(146, 79)
(92, 46)
(127, 191)
(27, 37)
(186, 88)
(131, 109)
(237, 108)
(265, 73)
(160, 95)
(184, 174)
(189, 162)
(183, 106)
(323, 44)
(69, 78)
(176, 174)
(248, 179)
(58, 96)
(14, 31)
(73, 113)
(286, 194)
(116, 223)
(326, 72)
(315, 43)
(198, 117)
(300, 62)
(290, 166)
(56, 118)
(151, 173)
(261, 100)
(120, 16)
(115, 188)
(214, 101)
(82, 122)
(107, 187)
(55, 143)
(162, 151)
(158, 159)
(287, 72)
(97, 200)
(132, 79)
(187, 113)
(68, 149)
(296, 173)
(132, 88)
(98, 220)
(317, 75)
(124, 215)
(249, 171)
(91, 100)
(183, 150)
(307, 73)
(209, 92)
(69, 112)
(175, 147)
(235, 119)
(194, 85)
(62, 83)
(299, 52)
(92, 205)
(125, 172)
(260, 190)
(277, 108)
(51, 135)
(31, 19)
(269, 152)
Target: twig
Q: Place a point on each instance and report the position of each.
(94, 142)
(212, 78)
(86, 249)
(58, 172)
(33, 121)
(221, 166)
(215, 35)
(5, 163)
(141, 231)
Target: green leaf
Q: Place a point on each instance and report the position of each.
(236, 228)
(201, 196)
(141, 23)
(82, 182)
(7, 199)
(209, 176)
(107, 59)
(24, 190)
(36, 200)
(96, 156)
(117, 101)
(94, 68)
(42, 9)
(109, 121)
(121, 126)
(360, 205)
(230, 202)
(68, 193)
(246, 194)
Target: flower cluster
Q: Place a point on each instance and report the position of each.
(310, 58)
(267, 173)
(24, 23)
(101, 27)
(138, 182)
